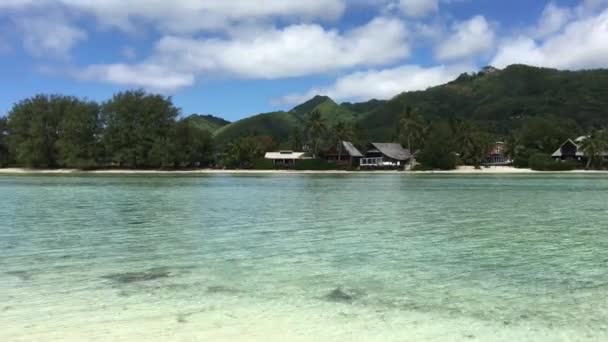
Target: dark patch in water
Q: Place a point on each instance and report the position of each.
(134, 277)
(6, 308)
(136, 223)
(182, 317)
(221, 289)
(22, 275)
(340, 295)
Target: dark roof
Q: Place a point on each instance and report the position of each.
(351, 149)
(393, 151)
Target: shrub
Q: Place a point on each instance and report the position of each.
(262, 164)
(543, 162)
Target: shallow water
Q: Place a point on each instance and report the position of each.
(304, 258)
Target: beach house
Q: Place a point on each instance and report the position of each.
(344, 153)
(496, 156)
(385, 155)
(285, 158)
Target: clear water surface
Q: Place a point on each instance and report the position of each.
(304, 258)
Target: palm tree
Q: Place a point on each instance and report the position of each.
(411, 128)
(342, 132)
(316, 128)
(472, 142)
(594, 145)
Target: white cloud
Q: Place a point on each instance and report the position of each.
(179, 16)
(49, 36)
(152, 77)
(469, 38)
(552, 19)
(418, 8)
(293, 51)
(382, 84)
(582, 43)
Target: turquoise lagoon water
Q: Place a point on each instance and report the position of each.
(304, 258)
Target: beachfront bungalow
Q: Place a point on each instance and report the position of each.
(345, 154)
(285, 159)
(496, 156)
(385, 155)
(570, 149)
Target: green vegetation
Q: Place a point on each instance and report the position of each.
(544, 162)
(132, 130)
(208, 123)
(277, 125)
(4, 155)
(533, 110)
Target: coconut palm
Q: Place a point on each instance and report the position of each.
(316, 128)
(411, 129)
(593, 146)
(341, 132)
(472, 142)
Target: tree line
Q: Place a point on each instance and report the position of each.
(132, 130)
(135, 129)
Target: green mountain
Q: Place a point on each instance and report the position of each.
(207, 122)
(277, 125)
(498, 99)
(501, 99)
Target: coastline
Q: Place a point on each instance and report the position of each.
(463, 170)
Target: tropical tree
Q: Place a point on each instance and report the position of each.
(593, 146)
(411, 129)
(242, 152)
(296, 139)
(438, 152)
(191, 143)
(4, 156)
(316, 129)
(51, 131)
(341, 132)
(472, 143)
(137, 128)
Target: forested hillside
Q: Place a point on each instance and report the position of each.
(498, 100)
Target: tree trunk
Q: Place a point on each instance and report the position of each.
(589, 161)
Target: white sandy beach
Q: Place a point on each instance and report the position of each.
(460, 170)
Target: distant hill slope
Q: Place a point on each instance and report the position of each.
(502, 98)
(499, 99)
(277, 125)
(207, 122)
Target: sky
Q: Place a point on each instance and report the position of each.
(236, 58)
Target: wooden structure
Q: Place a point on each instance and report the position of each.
(385, 155)
(496, 156)
(345, 153)
(285, 159)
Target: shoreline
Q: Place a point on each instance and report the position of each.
(463, 170)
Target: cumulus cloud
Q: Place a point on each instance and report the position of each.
(418, 8)
(382, 84)
(468, 38)
(552, 19)
(49, 36)
(293, 51)
(149, 76)
(582, 43)
(179, 16)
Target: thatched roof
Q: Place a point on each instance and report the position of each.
(393, 151)
(351, 149)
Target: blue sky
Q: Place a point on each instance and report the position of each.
(242, 57)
